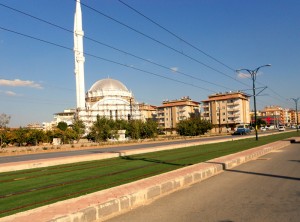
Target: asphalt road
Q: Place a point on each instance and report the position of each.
(18, 158)
(266, 189)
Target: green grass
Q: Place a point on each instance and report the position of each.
(28, 189)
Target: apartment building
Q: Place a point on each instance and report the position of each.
(148, 111)
(171, 112)
(274, 115)
(292, 115)
(227, 110)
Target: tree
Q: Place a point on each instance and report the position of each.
(20, 136)
(62, 126)
(34, 137)
(134, 129)
(78, 128)
(149, 129)
(193, 127)
(4, 121)
(101, 129)
(70, 135)
(6, 137)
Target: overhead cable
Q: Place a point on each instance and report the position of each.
(176, 36)
(104, 59)
(161, 43)
(114, 48)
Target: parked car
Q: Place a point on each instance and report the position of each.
(242, 130)
(281, 128)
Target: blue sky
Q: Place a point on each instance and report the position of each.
(37, 79)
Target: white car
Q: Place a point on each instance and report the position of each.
(281, 128)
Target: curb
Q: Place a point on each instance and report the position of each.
(111, 202)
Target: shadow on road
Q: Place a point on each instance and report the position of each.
(152, 160)
(255, 173)
(295, 161)
(264, 174)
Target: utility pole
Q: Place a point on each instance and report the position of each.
(296, 104)
(253, 77)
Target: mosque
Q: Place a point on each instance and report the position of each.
(111, 99)
(107, 98)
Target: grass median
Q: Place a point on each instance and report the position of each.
(28, 189)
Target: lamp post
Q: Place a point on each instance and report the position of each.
(296, 104)
(253, 77)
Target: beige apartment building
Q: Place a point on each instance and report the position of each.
(277, 115)
(148, 111)
(227, 110)
(274, 115)
(171, 112)
(292, 115)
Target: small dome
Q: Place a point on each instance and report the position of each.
(108, 84)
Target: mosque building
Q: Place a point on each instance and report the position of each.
(111, 99)
(107, 98)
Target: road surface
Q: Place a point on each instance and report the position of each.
(266, 189)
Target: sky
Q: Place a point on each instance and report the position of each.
(192, 48)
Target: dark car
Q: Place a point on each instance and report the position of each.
(242, 130)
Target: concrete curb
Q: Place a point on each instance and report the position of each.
(108, 203)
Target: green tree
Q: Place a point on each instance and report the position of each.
(149, 129)
(6, 137)
(57, 133)
(62, 126)
(78, 128)
(101, 129)
(193, 127)
(35, 136)
(134, 129)
(20, 136)
(70, 135)
(49, 136)
(260, 122)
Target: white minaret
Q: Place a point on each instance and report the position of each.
(79, 58)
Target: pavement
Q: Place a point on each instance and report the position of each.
(105, 204)
(265, 189)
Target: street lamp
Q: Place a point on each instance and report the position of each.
(253, 77)
(296, 104)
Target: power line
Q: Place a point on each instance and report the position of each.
(279, 98)
(130, 54)
(114, 48)
(176, 36)
(104, 59)
(161, 43)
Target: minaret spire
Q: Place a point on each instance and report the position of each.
(79, 57)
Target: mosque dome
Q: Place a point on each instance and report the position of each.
(108, 84)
